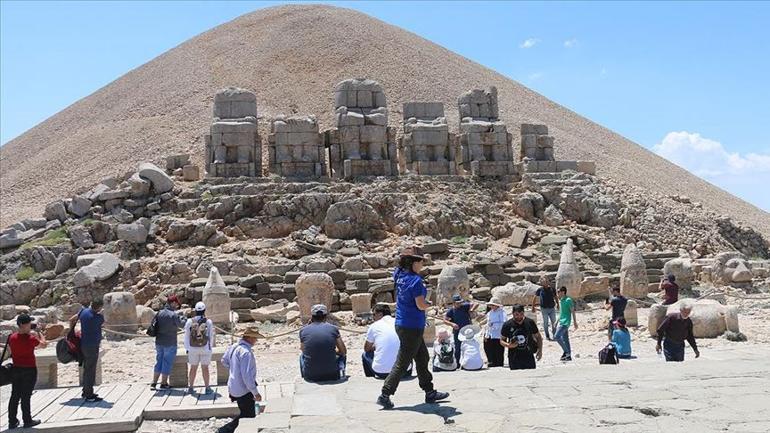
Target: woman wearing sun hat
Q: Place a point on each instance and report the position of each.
(495, 318)
(470, 356)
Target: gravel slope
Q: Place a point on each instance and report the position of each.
(292, 56)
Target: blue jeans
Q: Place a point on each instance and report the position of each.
(549, 315)
(562, 337)
(341, 365)
(673, 351)
(367, 358)
(164, 359)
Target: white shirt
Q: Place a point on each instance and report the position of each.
(470, 355)
(209, 328)
(243, 369)
(382, 334)
(495, 320)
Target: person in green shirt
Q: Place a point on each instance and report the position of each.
(566, 316)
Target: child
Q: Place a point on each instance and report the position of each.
(621, 338)
(470, 358)
(443, 349)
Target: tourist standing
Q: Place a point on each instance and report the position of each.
(22, 345)
(675, 329)
(546, 296)
(166, 322)
(324, 353)
(91, 322)
(566, 317)
(495, 319)
(522, 338)
(381, 345)
(411, 304)
(670, 289)
(621, 338)
(457, 317)
(242, 379)
(617, 303)
(199, 341)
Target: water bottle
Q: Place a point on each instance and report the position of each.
(259, 407)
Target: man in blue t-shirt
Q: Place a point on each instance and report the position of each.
(91, 321)
(457, 317)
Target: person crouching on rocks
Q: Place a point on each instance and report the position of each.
(411, 304)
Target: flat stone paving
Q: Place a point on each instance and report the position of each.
(724, 390)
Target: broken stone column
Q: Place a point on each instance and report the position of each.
(295, 147)
(426, 147)
(631, 314)
(485, 144)
(233, 146)
(361, 304)
(217, 299)
(361, 144)
(453, 280)
(120, 314)
(536, 153)
(568, 275)
(313, 288)
(633, 273)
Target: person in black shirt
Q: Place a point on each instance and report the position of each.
(522, 338)
(549, 305)
(673, 332)
(617, 303)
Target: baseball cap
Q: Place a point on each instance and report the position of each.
(23, 319)
(457, 298)
(319, 310)
(200, 306)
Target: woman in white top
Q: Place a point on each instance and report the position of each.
(199, 342)
(495, 318)
(470, 349)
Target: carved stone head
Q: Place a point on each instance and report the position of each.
(731, 267)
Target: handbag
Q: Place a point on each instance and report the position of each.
(152, 330)
(6, 371)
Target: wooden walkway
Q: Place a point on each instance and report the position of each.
(125, 406)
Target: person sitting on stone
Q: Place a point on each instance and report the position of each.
(470, 358)
(675, 329)
(457, 317)
(670, 289)
(444, 351)
(617, 303)
(621, 338)
(381, 346)
(323, 355)
(522, 338)
(199, 342)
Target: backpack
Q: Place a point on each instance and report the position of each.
(446, 354)
(199, 332)
(152, 330)
(609, 355)
(68, 348)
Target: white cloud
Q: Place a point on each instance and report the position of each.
(535, 76)
(529, 43)
(740, 174)
(570, 43)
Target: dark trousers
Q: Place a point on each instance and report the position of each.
(412, 349)
(494, 351)
(90, 358)
(246, 408)
(519, 359)
(673, 351)
(22, 383)
(367, 358)
(458, 346)
(339, 373)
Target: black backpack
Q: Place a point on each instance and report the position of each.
(609, 355)
(446, 354)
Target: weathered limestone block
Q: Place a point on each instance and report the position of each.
(56, 211)
(631, 314)
(682, 270)
(95, 267)
(295, 147)
(361, 304)
(174, 162)
(515, 293)
(10, 239)
(233, 147)
(63, 263)
(161, 182)
(594, 286)
(217, 298)
(426, 147)
(136, 233)
(144, 315)
(731, 268)
(191, 173)
(42, 259)
(655, 317)
(80, 236)
(120, 314)
(352, 219)
(709, 318)
(536, 144)
(633, 273)
(453, 280)
(568, 275)
(79, 206)
(313, 288)
(485, 144)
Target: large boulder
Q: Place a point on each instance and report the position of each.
(79, 206)
(709, 318)
(353, 219)
(161, 182)
(633, 273)
(80, 236)
(453, 280)
(276, 313)
(568, 275)
(144, 315)
(120, 314)
(56, 211)
(313, 288)
(42, 259)
(731, 268)
(136, 233)
(515, 293)
(361, 304)
(681, 269)
(95, 267)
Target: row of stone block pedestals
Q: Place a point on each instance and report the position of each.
(362, 144)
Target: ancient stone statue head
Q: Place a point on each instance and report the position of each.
(731, 267)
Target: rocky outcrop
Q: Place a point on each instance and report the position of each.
(353, 219)
(94, 268)
(515, 293)
(681, 269)
(453, 280)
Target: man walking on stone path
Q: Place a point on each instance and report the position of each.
(22, 345)
(522, 338)
(242, 381)
(166, 322)
(670, 289)
(566, 317)
(199, 341)
(411, 304)
(675, 329)
(546, 296)
(91, 322)
(617, 303)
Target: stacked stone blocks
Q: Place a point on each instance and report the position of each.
(295, 147)
(536, 153)
(485, 144)
(233, 147)
(427, 147)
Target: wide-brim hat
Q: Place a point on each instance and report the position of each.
(413, 251)
(468, 332)
(495, 301)
(252, 332)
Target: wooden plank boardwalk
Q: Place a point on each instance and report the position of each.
(125, 406)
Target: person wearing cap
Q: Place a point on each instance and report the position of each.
(199, 341)
(548, 306)
(22, 345)
(167, 323)
(242, 379)
(411, 303)
(470, 358)
(381, 345)
(522, 338)
(670, 289)
(621, 338)
(495, 319)
(617, 303)
(444, 351)
(458, 316)
(91, 322)
(567, 316)
(324, 353)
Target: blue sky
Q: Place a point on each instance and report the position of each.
(687, 80)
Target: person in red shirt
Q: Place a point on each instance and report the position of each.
(24, 373)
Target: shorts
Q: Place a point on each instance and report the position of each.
(198, 355)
